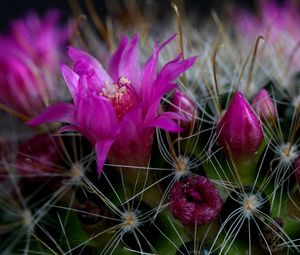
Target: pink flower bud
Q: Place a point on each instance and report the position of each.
(239, 131)
(30, 56)
(183, 105)
(263, 106)
(39, 156)
(195, 200)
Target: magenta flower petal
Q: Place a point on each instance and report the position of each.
(195, 200)
(113, 65)
(264, 106)
(155, 102)
(239, 131)
(85, 64)
(163, 90)
(85, 87)
(71, 79)
(102, 148)
(129, 65)
(149, 73)
(172, 70)
(135, 138)
(165, 121)
(131, 124)
(60, 112)
(96, 115)
(163, 84)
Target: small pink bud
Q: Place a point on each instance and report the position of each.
(263, 105)
(39, 156)
(239, 131)
(183, 105)
(195, 200)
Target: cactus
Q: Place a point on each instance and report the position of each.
(189, 145)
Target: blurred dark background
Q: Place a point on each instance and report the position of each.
(11, 9)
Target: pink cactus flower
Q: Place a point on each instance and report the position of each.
(264, 106)
(119, 109)
(42, 39)
(239, 131)
(273, 21)
(30, 56)
(278, 24)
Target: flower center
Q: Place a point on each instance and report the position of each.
(194, 196)
(192, 193)
(122, 96)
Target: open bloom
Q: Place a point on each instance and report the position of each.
(29, 63)
(195, 200)
(117, 110)
(239, 131)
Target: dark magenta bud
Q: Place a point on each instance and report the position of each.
(195, 200)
